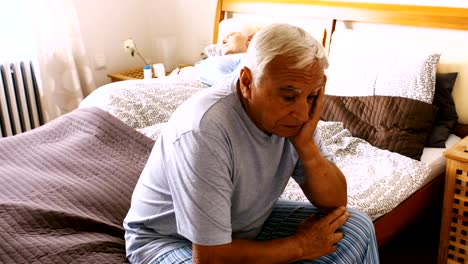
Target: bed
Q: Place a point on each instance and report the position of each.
(66, 186)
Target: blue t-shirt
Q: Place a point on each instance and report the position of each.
(212, 176)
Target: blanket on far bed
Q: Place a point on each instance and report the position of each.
(66, 188)
(378, 180)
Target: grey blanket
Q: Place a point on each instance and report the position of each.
(65, 189)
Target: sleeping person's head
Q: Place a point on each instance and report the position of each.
(234, 36)
(235, 42)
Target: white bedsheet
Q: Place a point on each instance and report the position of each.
(434, 157)
(143, 103)
(104, 97)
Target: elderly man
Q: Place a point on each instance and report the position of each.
(209, 192)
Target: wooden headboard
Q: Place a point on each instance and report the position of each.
(411, 15)
(333, 12)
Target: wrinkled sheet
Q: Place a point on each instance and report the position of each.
(378, 180)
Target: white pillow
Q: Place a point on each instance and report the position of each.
(411, 76)
(362, 65)
(213, 50)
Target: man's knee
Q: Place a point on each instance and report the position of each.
(360, 222)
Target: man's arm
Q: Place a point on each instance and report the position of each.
(325, 185)
(313, 239)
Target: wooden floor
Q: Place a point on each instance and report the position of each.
(420, 244)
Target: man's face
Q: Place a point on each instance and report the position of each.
(283, 101)
(234, 42)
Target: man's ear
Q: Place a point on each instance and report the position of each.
(245, 82)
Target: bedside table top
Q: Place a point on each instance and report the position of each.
(458, 151)
(131, 74)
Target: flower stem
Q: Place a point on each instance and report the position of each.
(139, 55)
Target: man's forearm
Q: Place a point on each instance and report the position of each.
(325, 184)
(285, 250)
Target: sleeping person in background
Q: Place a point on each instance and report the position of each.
(224, 59)
(235, 36)
(214, 69)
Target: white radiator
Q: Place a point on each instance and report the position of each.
(20, 108)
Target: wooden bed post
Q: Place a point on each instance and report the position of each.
(328, 35)
(219, 16)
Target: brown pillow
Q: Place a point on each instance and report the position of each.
(446, 117)
(393, 123)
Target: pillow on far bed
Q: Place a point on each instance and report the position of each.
(412, 76)
(362, 65)
(393, 123)
(446, 117)
(213, 50)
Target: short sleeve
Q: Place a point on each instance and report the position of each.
(298, 173)
(201, 187)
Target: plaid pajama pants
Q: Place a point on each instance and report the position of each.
(357, 246)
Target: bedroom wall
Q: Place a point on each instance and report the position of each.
(172, 32)
(105, 25)
(195, 22)
(181, 30)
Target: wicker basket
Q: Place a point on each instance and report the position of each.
(454, 229)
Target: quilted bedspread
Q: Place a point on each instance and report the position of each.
(66, 188)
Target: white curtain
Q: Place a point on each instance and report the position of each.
(48, 32)
(65, 73)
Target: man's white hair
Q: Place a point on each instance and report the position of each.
(287, 40)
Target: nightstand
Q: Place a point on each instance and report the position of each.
(131, 74)
(453, 247)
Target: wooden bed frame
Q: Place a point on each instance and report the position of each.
(427, 201)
